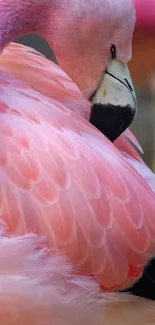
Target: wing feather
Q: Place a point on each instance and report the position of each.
(62, 179)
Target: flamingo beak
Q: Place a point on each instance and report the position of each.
(114, 102)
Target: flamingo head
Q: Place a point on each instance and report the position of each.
(92, 41)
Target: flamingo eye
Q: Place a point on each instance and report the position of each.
(113, 52)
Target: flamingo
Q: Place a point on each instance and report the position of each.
(145, 14)
(77, 219)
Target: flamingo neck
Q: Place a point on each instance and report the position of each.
(145, 13)
(80, 32)
(20, 17)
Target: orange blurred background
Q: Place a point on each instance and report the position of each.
(142, 68)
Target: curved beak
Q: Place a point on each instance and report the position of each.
(114, 101)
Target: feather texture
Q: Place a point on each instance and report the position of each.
(63, 180)
(37, 288)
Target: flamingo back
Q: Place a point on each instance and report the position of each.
(64, 181)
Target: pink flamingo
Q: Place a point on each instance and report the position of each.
(75, 215)
(145, 12)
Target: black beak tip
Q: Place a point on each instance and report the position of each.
(111, 120)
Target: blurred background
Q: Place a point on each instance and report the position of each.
(142, 68)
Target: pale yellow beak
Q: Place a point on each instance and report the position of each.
(114, 101)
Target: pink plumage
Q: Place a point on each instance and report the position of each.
(145, 14)
(78, 215)
(65, 181)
